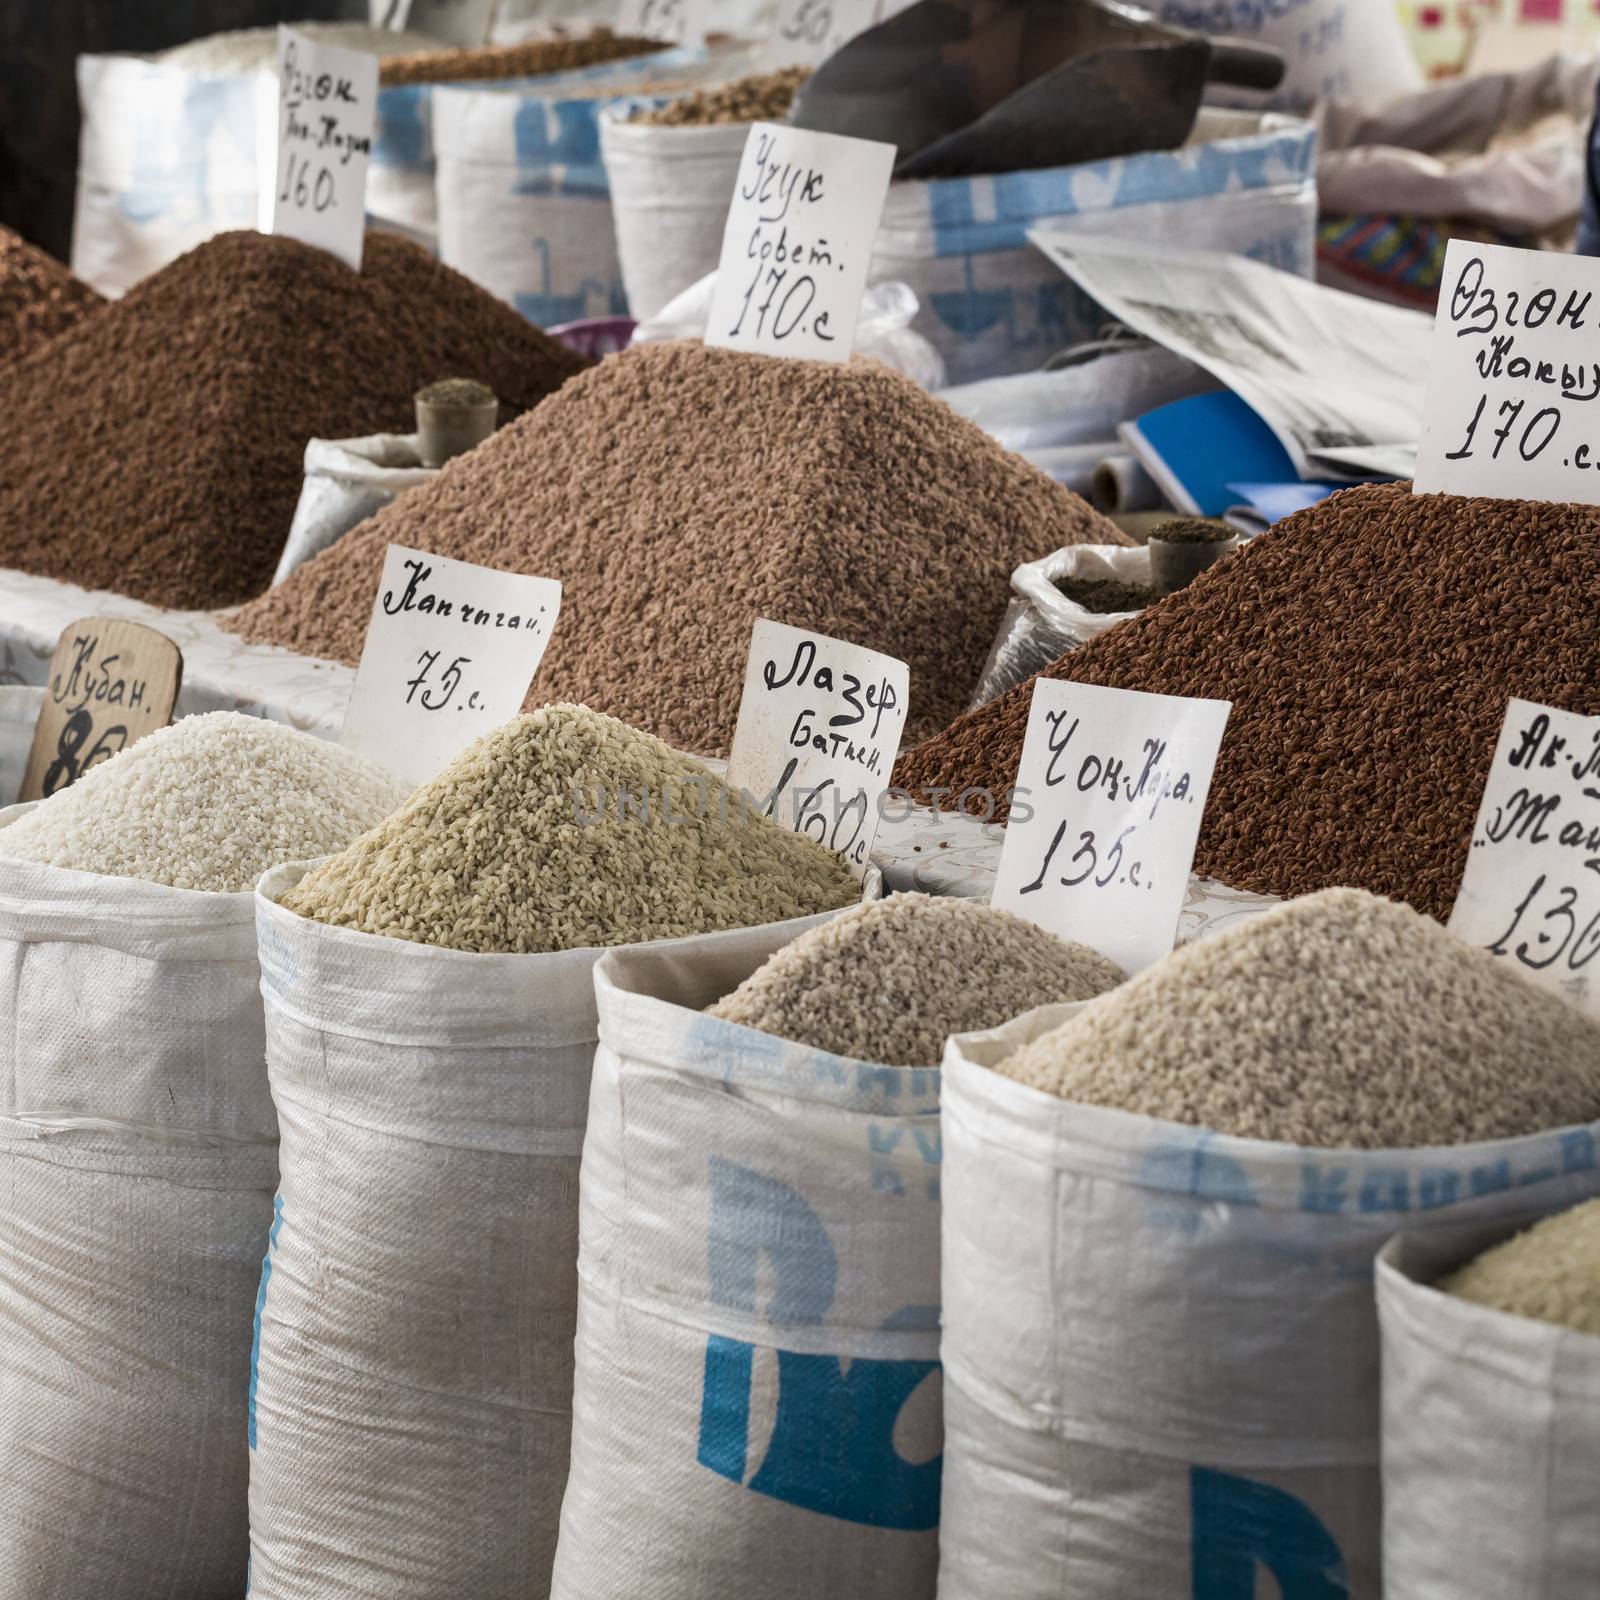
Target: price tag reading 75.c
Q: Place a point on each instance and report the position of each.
(1107, 808)
(449, 654)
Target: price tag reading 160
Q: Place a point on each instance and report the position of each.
(327, 110)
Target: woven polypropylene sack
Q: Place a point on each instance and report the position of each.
(20, 705)
(411, 1399)
(670, 189)
(993, 304)
(1491, 1441)
(1161, 1344)
(757, 1403)
(137, 1163)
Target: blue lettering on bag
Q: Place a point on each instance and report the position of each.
(1239, 1526)
(832, 1448)
(261, 1306)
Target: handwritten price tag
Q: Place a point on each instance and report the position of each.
(1109, 795)
(449, 654)
(671, 21)
(819, 728)
(809, 31)
(798, 243)
(327, 107)
(111, 683)
(1513, 398)
(1531, 890)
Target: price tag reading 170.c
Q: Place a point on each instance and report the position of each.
(449, 654)
(327, 109)
(798, 243)
(1531, 890)
(1106, 812)
(1513, 399)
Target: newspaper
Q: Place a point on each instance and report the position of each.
(1337, 378)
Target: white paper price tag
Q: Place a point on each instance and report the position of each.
(449, 654)
(1513, 397)
(1531, 889)
(457, 22)
(819, 728)
(671, 21)
(1108, 801)
(327, 108)
(798, 243)
(807, 32)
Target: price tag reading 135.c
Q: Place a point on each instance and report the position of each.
(1107, 808)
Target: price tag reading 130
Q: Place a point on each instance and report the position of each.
(1108, 801)
(449, 654)
(327, 109)
(798, 243)
(1531, 890)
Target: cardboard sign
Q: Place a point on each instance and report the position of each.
(1512, 408)
(798, 243)
(671, 21)
(327, 109)
(1107, 808)
(819, 728)
(1531, 890)
(449, 654)
(111, 683)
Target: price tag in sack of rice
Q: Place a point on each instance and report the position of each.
(819, 728)
(798, 243)
(1531, 890)
(671, 21)
(327, 108)
(1105, 814)
(111, 682)
(1512, 408)
(449, 654)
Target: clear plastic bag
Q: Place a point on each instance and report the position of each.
(1042, 624)
(346, 481)
(883, 332)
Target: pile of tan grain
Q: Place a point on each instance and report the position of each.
(1335, 1020)
(536, 58)
(889, 981)
(679, 493)
(764, 97)
(566, 830)
(1550, 1273)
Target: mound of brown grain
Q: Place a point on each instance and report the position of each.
(157, 448)
(1369, 646)
(39, 298)
(679, 493)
